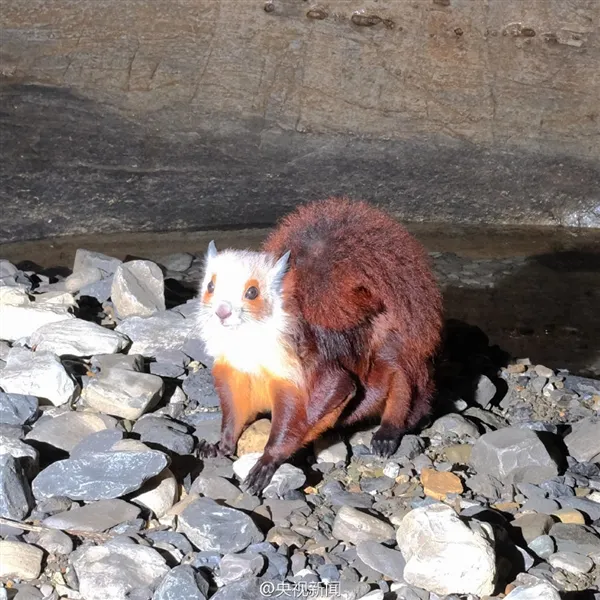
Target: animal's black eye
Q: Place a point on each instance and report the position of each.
(252, 293)
(210, 288)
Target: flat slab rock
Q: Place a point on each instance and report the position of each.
(77, 337)
(17, 409)
(96, 516)
(583, 441)
(99, 476)
(67, 430)
(21, 321)
(39, 374)
(513, 455)
(443, 555)
(182, 583)
(213, 527)
(115, 570)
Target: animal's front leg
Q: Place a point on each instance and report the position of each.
(232, 398)
(298, 418)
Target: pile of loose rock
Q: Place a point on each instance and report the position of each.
(105, 393)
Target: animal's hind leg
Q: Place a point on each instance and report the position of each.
(395, 415)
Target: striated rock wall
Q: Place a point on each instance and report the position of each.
(496, 75)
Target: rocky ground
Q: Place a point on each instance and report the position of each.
(106, 393)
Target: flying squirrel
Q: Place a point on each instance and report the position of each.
(335, 321)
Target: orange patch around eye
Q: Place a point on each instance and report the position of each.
(206, 296)
(258, 306)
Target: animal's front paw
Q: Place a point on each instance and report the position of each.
(260, 475)
(385, 442)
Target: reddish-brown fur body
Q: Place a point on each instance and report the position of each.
(368, 316)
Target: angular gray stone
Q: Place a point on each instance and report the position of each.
(166, 433)
(21, 321)
(123, 393)
(454, 425)
(583, 441)
(571, 562)
(199, 387)
(484, 391)
(354, 526)
(533, 525)
(513, 456)
(25, 454)
(86, 259)
(182, 583)
(246, 589)
(382, 559)
(65, 431)
(55, 542)
(443, 555)
(539, 591)
(543, 546)
(84, 277)
(575, 538)
(234, 567)
(15, 494)
(39, 374)
(99, 476)
(17, 409)
(217, 488)
(410, 447)
(116, 570)
(77, 337)
(131, 362)
(584, 505)
(100, 441)
(162, 331)
(210, 526)
(95, 516)
(180, 261)
(329, 450)
(138, 289)
(285, 479)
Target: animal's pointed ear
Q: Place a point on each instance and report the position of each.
(279, 269)
(212, 250)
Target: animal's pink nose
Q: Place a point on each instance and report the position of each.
(223, 311)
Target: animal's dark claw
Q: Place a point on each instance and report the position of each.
(385, 442)
(208, 450)
(260, 475)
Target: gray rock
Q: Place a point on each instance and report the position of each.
(285, 479)
(538, 591)
(543, 546)
(86, 259)
(55, 542)
(514, 456)
(210, 526)
(372, 485)
(352, 525)
(21, 321)
(138, 289)
(235, 567)
(51, 506)
(533, 525)
(117, 570)
(182, 583)
(541, 505)
(17, 409)
(95, 516)
(123, 393)
(571, 562)
(207, 425)
(100, 441)
(215, 487)
(484, 391)
(556, 489)
(410, 447)
(20, 560)
(443, 555)
(39, 374)
(583, 441)
(246, 589)
(584, 505)
(15, 495)
(169, 363)
(82, 278)
(485, 485)
(329, 449)
(382, 559)
(454, 425)
(131, 362)
(199, 387)
(180, 261)
(26, 455)
(575, 538)
(100, 290)
(99, 476)
(163, 331)
(337, 496)
(178, 540)
(165, 433)
(77, 337)
(65, 431)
